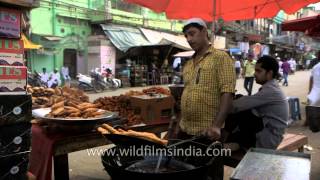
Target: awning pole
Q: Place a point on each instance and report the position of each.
(213, 21)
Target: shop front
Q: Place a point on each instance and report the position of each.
(137, 56)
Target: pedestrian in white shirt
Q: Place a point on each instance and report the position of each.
(54, 79)
(238, 67)
(293, 65)
(314, 86)
(65, 75)
(44, 76)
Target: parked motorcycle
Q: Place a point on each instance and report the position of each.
(177, 78)
(96, 82)
(35, 80)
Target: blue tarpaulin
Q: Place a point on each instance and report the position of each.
(125, 37)
(234, 51)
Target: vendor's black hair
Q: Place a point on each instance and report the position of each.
(269, 64)
(196, 25)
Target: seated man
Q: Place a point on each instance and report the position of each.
(259, 120)
(44, 76)
(54, 80)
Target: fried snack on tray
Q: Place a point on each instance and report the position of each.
(120, 104)
(157, 90)
(62, 109)
(46, 97)
(107, 129)
(65, 102)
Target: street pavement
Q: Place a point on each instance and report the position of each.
(84, 166)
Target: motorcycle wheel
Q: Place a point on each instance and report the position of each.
(83, 87)
(98, 88)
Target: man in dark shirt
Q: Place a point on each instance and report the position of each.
(259, 120)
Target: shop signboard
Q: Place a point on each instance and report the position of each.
(10, 23)
(13, 79)
(11, 52)
(219, 42)
(108, 58)
(25, 3)
(301, 46)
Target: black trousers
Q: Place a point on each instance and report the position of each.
(248, 83)
(242, 128)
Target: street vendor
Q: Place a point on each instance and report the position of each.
(260, 120)
(209, 84)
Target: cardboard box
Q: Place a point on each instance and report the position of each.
(11, 52)
(13, 79)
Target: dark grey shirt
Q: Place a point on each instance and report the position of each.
(271, 104)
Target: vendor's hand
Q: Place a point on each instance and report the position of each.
(213, 133)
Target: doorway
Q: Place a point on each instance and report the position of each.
(70, 61)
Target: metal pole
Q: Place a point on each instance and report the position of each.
(54, 24)
(213, 21)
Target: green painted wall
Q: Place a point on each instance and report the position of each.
(68, 19)
(125, 13)
(41, 62)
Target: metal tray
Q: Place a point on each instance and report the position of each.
(42, 112)
(268, 164)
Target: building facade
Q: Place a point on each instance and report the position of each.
(68, 25)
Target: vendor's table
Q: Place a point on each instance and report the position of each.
(152, 106)
(62, 145)
(270, 164)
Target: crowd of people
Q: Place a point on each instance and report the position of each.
(287, 66)
(245, 68)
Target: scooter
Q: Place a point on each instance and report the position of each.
(109, 78)
(85, 82)
(96, 82)
(113, 82)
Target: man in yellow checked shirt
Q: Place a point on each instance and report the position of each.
(209, 84)
(210, 80)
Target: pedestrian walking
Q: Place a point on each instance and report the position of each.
(248, 73)
(238, 67)
(65, 75)
(286, 70)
